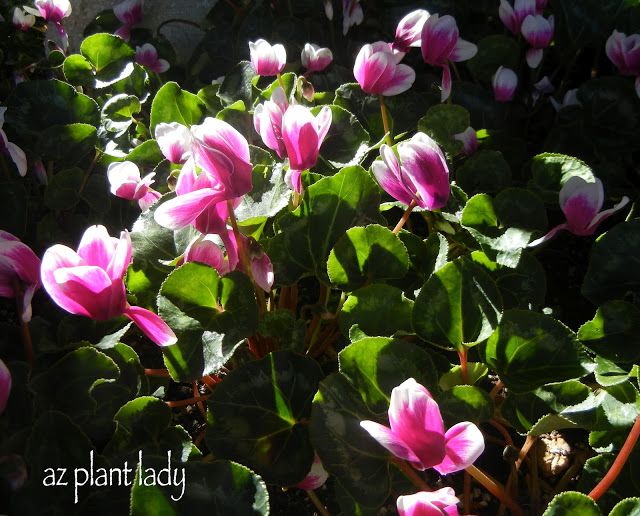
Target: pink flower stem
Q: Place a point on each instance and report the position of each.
(24, 327)
(405, 217)
(385, 123)
(495, 489)
(617, 465)
(462, 353)
(410, 472)
(246, 262)
(319, 505)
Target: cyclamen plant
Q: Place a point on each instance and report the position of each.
(366, 263)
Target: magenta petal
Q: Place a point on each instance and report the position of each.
(262, 272)
(549, 235)
(606, 213)
(180, 212)
(387, 173)
(97, 247)
(579, 211)
(204, 250)
(390, 441)
(446, 83)
(427, 503)
(316, 477)
(5, 385)
(149, 199)
(152, 325)
(120, 259)
(402, 80)
(463, 51)
(464, 444)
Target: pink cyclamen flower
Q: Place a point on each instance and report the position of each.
(16, 154)
(538, 31)
(351, 14)
(267, 120)
(5, 385)
(504, 83)
(303, 134)
(174, 140)
(147, 56)
(409, 31)
(128, 12)
(417, 432)
(316, 477)
(440, 43)
(420, 175)
(53, 11)
(378, 72)
(19, 272)
(125, 181)
(22, 20)
(580, 202)
(315, 58)
(624, 52)
(435, 503)
(513, 17)
(267, 59)
(90, 282)
(469, 138)
(328, 9)
(222, 154)
(204, 249)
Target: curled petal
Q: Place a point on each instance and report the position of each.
(262, 272)
(18, 157)
(152, 325)
(463, 51)
(403, 78)
(181, 211)
(446, 83)
(606, 213)
(97, 247)
(316, 477)
(392, 442)
(424, 503)
(387, 172)
(549, 235)
(174, 140)
(149, 199)
(409, 30)
(464, 444)
(204, 249)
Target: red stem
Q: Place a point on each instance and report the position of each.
(190, 401)
(405, 217)
(617, 465)
(463, 365)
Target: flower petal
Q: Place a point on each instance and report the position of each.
(180, 212)
(5, 385)
(152, 325)
(390, 441)
(464, 444)
(97, 247)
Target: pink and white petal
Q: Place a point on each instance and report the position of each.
(152, 325)
(174, 140)
(387, 173)
(293, 178)
(187, 177)
(534, 57)
(121, 258)
(549, 235)
(606, 213)
(27, 296)
(149, 199)
(5, 385)
(18, 156)
(425, 502)
(464, 444)
(323, 121)
(316, 477)
(579, 211)
(18, 258)
(160, 66)
(97, 247)
(218, 134)
(463, 51)
(126, 190)
(403, 78)
(390, 441)
(446, 83)
(262, 272)
(204, 249)
(180, 212)
(57, 257)
(85, 290)
(576, 185)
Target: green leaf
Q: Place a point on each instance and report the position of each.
(443, 121)
(614, 332)
(209, 95)
(67, 144)
(238, 84)
(147, 154)
(364, 306)
(347, 451)
(551, 171)
(172, 104)
(485, 171)
(586, 25)
(571, 503)
(475, 371)
(96, 193)
(459, 305)
(620, 404)
(34, 106)
(517, 207)
(111, 57)
(613, 265)
(346, 143)
(78, 71)
(465, 403)
(62, 191)
(210, 316)
(529, 349)
(117, 113)
(67, 385)
(270, 192)
(143, 426)
(276, 391)
(375, 366)
(284, 329)
(494, 51)
(520, 287)
(608, 373)
(366, 254)
(330, 207)
(627, 507)
(219, 488)
(572, 400)
(500, 244)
